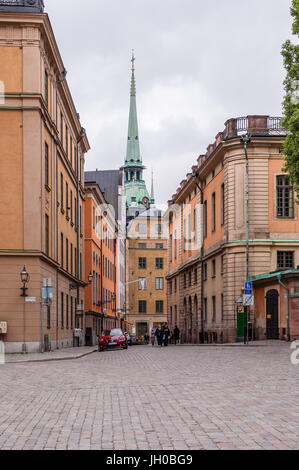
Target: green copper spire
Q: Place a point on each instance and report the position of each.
(137, 196)
(133, 149)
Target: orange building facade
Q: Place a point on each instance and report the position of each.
(42, 154)
(208, 243)
(100, 264)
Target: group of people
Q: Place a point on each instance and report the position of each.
(164, 335)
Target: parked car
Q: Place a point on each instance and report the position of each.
(129, 339)
(112, 339)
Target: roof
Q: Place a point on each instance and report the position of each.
(108, 181)
(266, 276)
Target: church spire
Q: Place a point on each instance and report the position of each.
(133, 150)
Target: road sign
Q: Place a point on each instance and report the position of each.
(30, 299)
(248, 300)
(248, 288)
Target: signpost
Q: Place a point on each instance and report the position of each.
(47, 296)
(248, 301)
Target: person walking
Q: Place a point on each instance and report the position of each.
(159, 334)
(176, 334)
(153, 335)
(166, 335)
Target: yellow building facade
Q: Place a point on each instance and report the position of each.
(146, 271)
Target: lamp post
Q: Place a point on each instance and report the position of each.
(25, 278)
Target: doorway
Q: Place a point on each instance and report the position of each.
(272, 314)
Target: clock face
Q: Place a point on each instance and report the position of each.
(145, 201)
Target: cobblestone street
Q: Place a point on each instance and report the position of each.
(163, 399)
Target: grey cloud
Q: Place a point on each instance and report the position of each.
(198, 63)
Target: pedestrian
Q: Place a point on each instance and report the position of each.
(176, 334)
(166, 335)
(153, 335)
(146, 338)
(159, 334)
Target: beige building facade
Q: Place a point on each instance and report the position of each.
(146, 265)
(233, 243)
(42, 152)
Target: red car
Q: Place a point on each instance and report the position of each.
(112, 339)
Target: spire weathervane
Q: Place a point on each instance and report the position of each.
(133, 60)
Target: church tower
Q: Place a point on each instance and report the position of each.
(137, 196)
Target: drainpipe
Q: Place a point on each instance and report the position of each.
(288, 306)
(245, 140)
(195, 176)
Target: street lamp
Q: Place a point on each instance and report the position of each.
(25, 278)
(90, 278)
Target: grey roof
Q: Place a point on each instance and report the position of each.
(108, 181)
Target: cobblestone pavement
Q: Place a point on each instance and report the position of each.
(161, 399)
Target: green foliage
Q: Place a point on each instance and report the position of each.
(290, 53)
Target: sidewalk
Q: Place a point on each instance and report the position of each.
(56, 355)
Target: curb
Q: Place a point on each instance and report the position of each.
(72, 358)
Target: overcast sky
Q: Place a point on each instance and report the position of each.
(198, 63)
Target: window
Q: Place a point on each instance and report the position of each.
(213, 212)
(205, 219)
(175, 285)
(61, 191)
(61, 127)
(67, 312)
(175, 245)
(66, 140)
(142, 263)
(71, 206)
(285, 197)
(159, 263)
(159, 246)
(214, 308)
(142, 229)
(195, 276)
(67, 199)
(190, 278)
(62, 311)
(71, 149)
(206, 309)
(159, 306)
(67, 254)
(185, 281)
(195, 224)
(159, 229)
(285, 259)
(61, 248)
(205, 272)
(222, 205)
(214, 268)
(46, 89)
(142, 306)
(142, 246)
(46, 164)
(170, 287)
(159, 283)
(47, 235)
(170, 248)
(142, 283)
